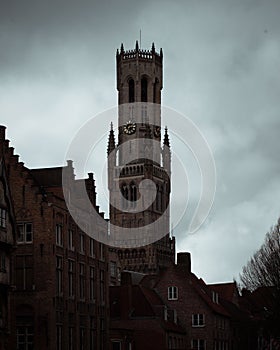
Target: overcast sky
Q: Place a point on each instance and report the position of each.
(221, 69)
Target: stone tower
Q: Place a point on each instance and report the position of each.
(139, 156)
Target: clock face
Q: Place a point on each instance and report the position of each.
(129, 128)
(157, 131)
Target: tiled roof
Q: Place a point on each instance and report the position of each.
(47, 177)
(226, 290)
(206, 294)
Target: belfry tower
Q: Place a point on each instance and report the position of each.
(139, 156)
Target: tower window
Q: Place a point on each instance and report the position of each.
(131, 90)
(155, 91)
(133, 192)
(124, 191)
(144, 90)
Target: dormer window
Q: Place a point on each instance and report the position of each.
(172, 293)
(215, 297)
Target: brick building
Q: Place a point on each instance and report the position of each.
(140, 320)
(60, 274)
(7, 243)
(54, 286)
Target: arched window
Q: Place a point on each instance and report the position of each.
(158, 198)
(144, 90)
(155, 91)
(131, 92)
(133, 194)
(124, 191)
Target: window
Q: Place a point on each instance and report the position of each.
(3, 217)
(82, 338)
(70, 239)
(102, 290)
(25, 233)
(82, 280)
(58, 275)
(91, 283)
(82, 243)
(24, 272)
(101, 249)
(25, 337)
(124, 190)
(3, 262)
(92, 338)
(70, 278)
(144, 90)
(113, 269)
(91, 247)
(198, 344)
(131, 90)
(59, 337)
(70, 338)
(198, 320)
(215, 297)
(116, 345)
(133, 194)
(58, 234)
(172, 293)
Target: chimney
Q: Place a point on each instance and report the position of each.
(2, 133)
(184, 261)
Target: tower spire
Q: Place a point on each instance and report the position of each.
(166, 138)
(111, 141)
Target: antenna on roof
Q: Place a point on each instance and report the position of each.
(140, 39)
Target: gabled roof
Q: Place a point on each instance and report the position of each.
(145, 303)
(205, 292)
(48, 177)
(226, 290)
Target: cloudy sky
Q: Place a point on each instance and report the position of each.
(221, 69)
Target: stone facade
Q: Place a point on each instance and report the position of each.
(139, 156)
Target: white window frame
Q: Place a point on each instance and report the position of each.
(198, 320)
(82, 243)
(59, 275)
(82, 283)
(70, 239)
(23, 237)
(215, 297)
(172, 293)
(71, 278)
(91, 247)
(58, 235)
(198, 344)
(91, 283)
